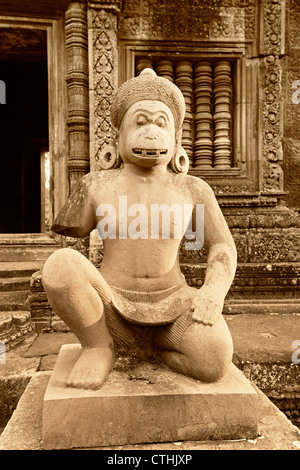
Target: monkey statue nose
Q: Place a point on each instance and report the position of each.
(151, 133)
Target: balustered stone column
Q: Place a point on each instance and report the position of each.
(77, 86)
(222, 115)
(203, 147)
(165, 68)
(183, 77)
(184, 81)
(142, 64)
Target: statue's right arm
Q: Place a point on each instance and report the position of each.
(77, 218)
(221, 258)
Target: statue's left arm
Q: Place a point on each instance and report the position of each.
(221, 261)
(77, 217)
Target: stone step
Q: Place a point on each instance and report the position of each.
(15, 279)
(26, 239)
(14, 284)
(14, 300)
(266, 306)
(9, 269)
(26, 247)
(23, 253)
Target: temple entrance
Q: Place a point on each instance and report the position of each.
(24, 130)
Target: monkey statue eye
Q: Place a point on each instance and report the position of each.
(160, 122)
(141, 120)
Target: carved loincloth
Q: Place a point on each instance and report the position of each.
(153, 308)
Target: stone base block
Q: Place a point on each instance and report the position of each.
(149, 403)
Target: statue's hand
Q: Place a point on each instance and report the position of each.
(207, 306)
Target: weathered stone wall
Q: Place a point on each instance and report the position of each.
(263, 36)
(268, 275)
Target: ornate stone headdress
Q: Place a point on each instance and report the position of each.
(148, 86)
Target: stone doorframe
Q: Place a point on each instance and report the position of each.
(57, 100)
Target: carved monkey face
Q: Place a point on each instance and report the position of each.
(147, 134)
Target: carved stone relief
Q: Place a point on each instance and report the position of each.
(103, 75)
(205, 20)
(271, 86)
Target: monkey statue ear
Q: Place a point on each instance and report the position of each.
(180, 162)
(109, 157)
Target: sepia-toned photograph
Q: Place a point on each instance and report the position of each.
(149, 227)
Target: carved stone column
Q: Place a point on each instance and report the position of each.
(203, 147)
(184, 81)
(222, 116)
(77, 85)
(165, 68)
(271, 178)
(143, 64)
(102, 25)
(182, 74)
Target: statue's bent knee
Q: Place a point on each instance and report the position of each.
(60, 268)
(212, 366)
(218, 366)
(212, 351)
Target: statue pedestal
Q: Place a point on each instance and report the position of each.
(149, 403)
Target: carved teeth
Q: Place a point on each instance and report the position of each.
(148, 153)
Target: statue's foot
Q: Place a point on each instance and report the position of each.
(92, 368)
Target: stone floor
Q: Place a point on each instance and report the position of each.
(263, 349)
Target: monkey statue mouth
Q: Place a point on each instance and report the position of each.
(149, 153)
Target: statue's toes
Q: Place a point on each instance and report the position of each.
(88, 380)
(76, 379)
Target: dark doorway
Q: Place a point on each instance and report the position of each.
(24, 135)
